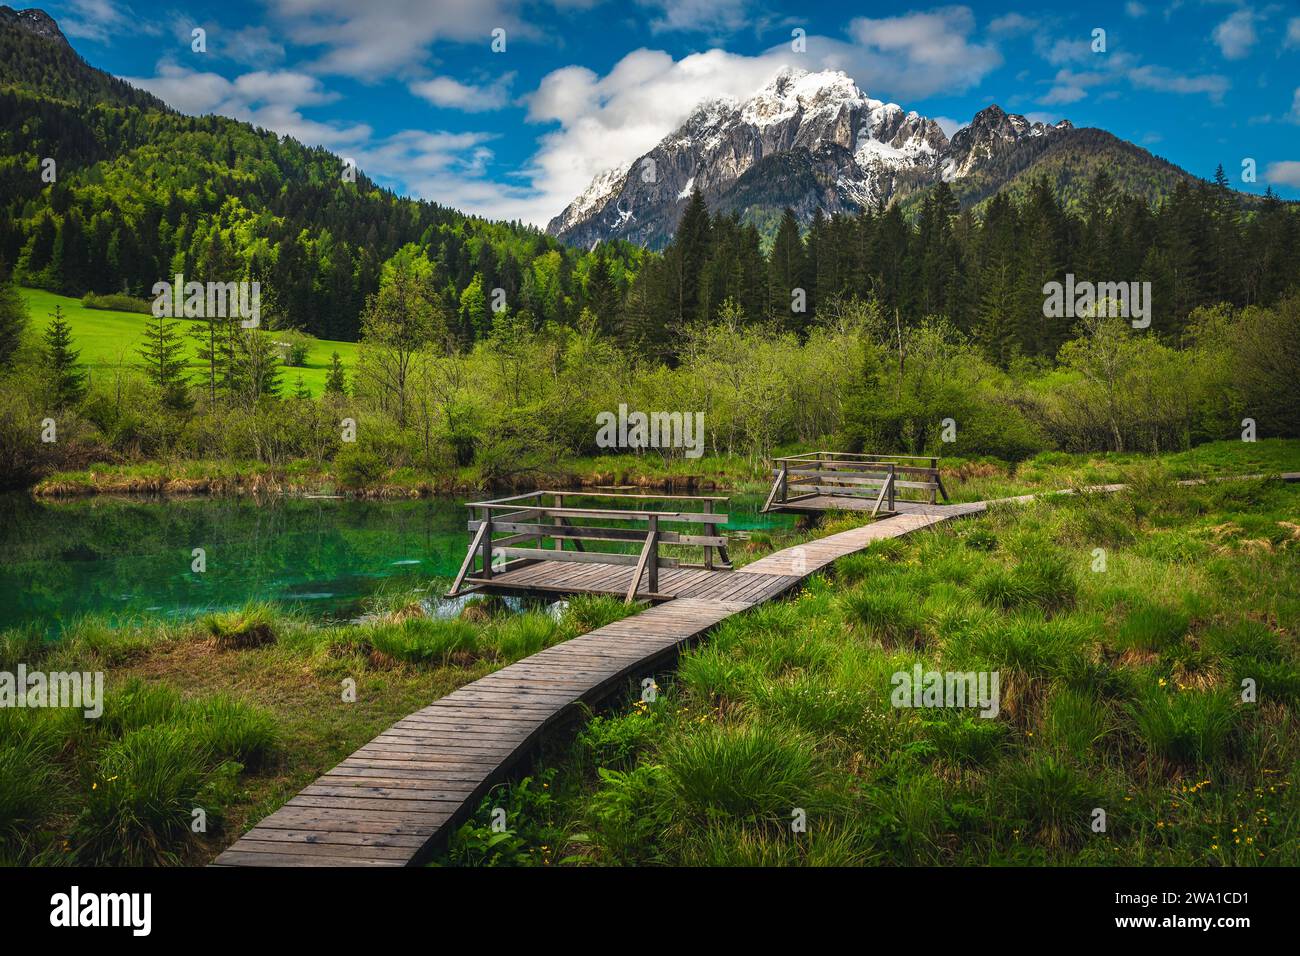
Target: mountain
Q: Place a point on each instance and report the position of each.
(142, 192)
(814, 140)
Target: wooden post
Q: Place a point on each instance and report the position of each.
(890, 480)
(708, 529)
(784, 479)
(934, 476)
(487, 543)
(654, 555)
(559, 542)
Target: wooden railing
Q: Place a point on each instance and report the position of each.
(853, 475)
(537, 517)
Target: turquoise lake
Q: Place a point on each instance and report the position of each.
(124, 558)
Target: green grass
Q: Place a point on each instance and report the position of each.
(1121, 691)
(109, 338)
(230, 714)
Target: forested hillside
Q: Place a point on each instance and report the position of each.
(984, 272)
(142, 192)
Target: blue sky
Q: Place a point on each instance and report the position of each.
(413, 90)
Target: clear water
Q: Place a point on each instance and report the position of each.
(126, 558)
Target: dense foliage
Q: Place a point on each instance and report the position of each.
(141, 193)
(984, 274)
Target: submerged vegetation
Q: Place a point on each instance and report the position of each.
(1121, 691)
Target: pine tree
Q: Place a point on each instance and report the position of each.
(692, 247)
(67, 379)
(164, 360)
(786, 271)
(13, 319)
(335, 380)
(212, 339)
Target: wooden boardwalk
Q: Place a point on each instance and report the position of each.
(392, 802)
(562, 577)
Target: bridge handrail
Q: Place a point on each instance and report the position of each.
(527, 518)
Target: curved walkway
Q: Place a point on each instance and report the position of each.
(392, 802)
(395, 799)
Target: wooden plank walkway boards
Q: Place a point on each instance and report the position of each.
(391, 802)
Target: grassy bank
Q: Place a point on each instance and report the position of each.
(182, 476)
(964, 479)
(231, 715)
(1121, 690)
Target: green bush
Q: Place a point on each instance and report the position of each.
(426, 641)
(31, 790)
(1185, 727)
(117, 302)
(1074, 723)
(1151, 627)
(1047, 800)
(749, 772)
(357, 468)
(890, 616)
(253, 625)
(139, 808)
(230, 729)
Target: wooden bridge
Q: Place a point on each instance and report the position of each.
(542, 542)
(394, 801)
(830, 481)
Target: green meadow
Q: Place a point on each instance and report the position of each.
(1149, 707)
(110, 339)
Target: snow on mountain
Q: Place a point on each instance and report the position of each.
(852, 151)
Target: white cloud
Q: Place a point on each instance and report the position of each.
(1135, 9)
(1011, 24)
(251, 46)
(99, 20)
(714, 17)
(915, 55)
(1163, 80)
(1236, 35)
(371, 40)
(270, 99)
(1284, 173)
(1066, 50)
(1070, 86)
(1293, 32)
(451, 93)
(1294, 115)
(610, 120)
(949, 125)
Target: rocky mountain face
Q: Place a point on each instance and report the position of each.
(805, 140)
(36, 22)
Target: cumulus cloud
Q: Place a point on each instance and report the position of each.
(452, 94)
(605, 121)
(99, 20)
(1012, 24)
(1284, 173)
(1236, 35)
(915, 55)
(713, 17)
(272, 99)
(370, 40)
(1164, 80)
